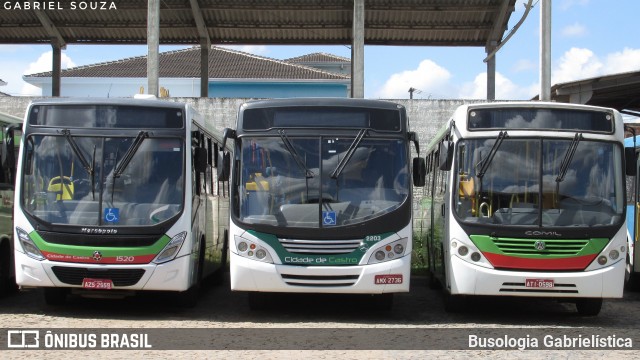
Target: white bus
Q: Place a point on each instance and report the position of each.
(10, 137)
(321, 194)
(528, 199)
(116, 196)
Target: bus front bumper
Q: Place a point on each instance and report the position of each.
(170, 276)
(470, 279)
(387, 277)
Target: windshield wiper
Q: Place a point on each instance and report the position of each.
(568, 157)
(126, 159)
(294, 154)
(89, 168)
(350, 151)
(494, 149)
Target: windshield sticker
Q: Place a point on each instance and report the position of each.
(112, 215)
(328, 218)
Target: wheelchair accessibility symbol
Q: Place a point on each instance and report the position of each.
(328, 218)
(112, 215)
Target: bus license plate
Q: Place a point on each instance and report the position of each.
(539, 283)
(97, 284)
(388, 279)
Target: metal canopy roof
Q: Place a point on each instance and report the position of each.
(387, 22)
(619, 91)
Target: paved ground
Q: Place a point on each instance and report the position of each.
(335, 326)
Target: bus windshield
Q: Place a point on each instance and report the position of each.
(540, 182)
(72, 180)
(287, 181)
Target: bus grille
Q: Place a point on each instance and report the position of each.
(120, 277)
(509, 287)
(320, 247)
(566, 247)
(319, 280)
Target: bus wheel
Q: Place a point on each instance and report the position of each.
(631, 281)
(259, 301)
(454, 303)
(7, 283)
(589, 307)
(55, 296)
(383, 302)
(189, 298)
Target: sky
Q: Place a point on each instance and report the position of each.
(589, 38)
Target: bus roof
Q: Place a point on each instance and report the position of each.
(108, 101)
(347, 102)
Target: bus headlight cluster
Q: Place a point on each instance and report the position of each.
(171, 250)
(28, 246)
(252, 250)
(389, 251)
(468, 252)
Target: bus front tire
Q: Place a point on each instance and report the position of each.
(589, 307)
(55, 296)
(454, 303)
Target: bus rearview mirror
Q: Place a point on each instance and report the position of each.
(630, 160)
(419, 171)
(446, 156)
(224, 165)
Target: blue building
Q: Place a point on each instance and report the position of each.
(232, 74)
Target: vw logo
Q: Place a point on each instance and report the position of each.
(540, 245)
(97, 255)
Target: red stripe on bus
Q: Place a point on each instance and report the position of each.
(512, 262)
(122, 260)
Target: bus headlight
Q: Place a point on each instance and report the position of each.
(389, 251)
(252, 250)
(171, 249)
(469, 252)
(28, 246)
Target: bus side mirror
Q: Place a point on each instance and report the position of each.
(227, 134)
(446, 156)
(200, 162)
(224, 165)
(630, 160)
(419, 171)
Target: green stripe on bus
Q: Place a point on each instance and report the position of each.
(106, 251)
(552, 248)
(352, 258)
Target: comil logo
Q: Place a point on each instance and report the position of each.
(23, 339)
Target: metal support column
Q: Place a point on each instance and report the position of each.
(56, 67)
(357, 50)
(153, 45)
(491, 75)
(205, 45)
(545, 50)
